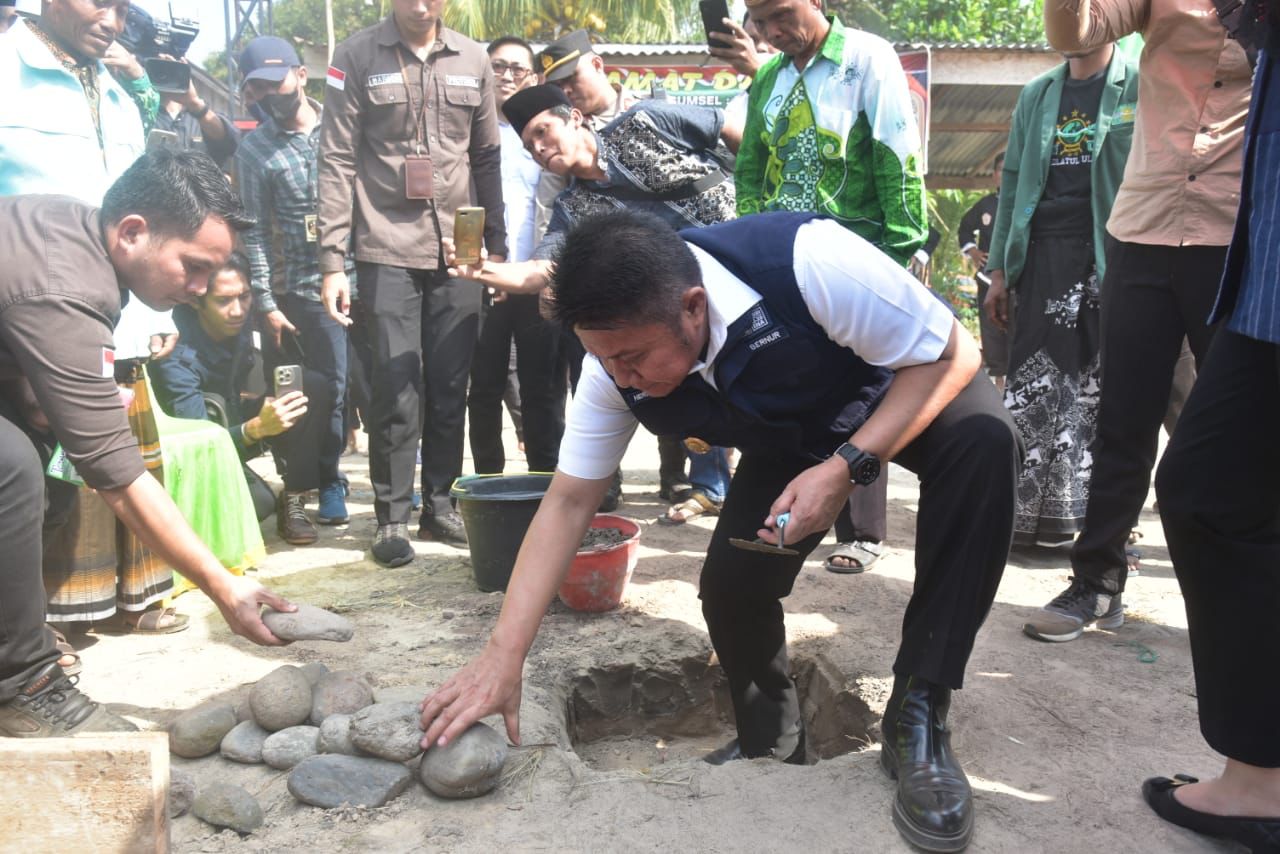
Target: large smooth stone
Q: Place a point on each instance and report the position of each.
(308, 623)
(199, 731)
(228, 805)
(388, 730)
(244, 743)
(281, 699)
(399, 694)
(182, 792)
(468, 766)
(335, 736)
(333, 780)
(343, 692)
(288, 747)
(313, 670)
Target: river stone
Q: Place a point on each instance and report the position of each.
(182, 791)
(341, 693)
(335, 736)
(388, 730)
(468, 766)
(313, 670)
(281, 699)
(227, 805)
(399, 694)
(288, 747)
(331, 781)
(198, 732)
(308, 623)
(244, 743)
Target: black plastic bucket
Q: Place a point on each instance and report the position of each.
(497, 510)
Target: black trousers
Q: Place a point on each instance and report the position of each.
(967, 461)
(1152, 298)
(543, 386)
(1220, 505)
(26, 645)
(422, 328)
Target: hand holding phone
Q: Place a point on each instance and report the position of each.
(287, 378)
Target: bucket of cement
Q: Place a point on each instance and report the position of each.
(497, 510)
(603, 566)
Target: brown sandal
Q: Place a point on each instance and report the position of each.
(66, 650)
(697, 504)
(152, 622)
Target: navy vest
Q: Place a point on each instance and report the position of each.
(784, 386)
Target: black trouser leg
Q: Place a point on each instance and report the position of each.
(543, 385)
(392, 303)
(488, 382)
(671, 460)
(302, 446)
(25, 644)
(264, 500)
(359, 362)
(967, 461)
(1220, 507)
(1153, 297)
(742, 596)
(866, 515)
(324, 342)
(450, 326)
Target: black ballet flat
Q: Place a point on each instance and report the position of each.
(1260, 835)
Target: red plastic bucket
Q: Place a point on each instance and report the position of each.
(597, 577)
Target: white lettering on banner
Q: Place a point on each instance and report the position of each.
(462, 80)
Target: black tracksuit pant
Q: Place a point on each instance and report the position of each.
(422, 328)
(967, 461)
(543, 384)
(1220, 506)
(1152, 298)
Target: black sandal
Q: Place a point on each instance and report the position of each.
(1259, 835)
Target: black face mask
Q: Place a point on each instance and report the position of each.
(259, 114)
(282, 107)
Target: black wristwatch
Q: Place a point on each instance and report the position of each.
(201, 113)
(864, 468)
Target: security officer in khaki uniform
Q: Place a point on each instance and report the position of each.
(409, 126)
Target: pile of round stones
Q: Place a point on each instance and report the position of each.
(342, 742)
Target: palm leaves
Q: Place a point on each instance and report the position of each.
(637, 21)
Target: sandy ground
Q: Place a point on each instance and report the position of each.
(1056, 738)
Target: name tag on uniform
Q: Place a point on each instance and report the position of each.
(768, 338)
(393, 79)
(462, 80)
(309, 224)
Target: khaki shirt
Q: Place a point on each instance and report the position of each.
(373, 94)
(1182, 181)
(59, 299)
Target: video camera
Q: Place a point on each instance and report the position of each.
(147, 38)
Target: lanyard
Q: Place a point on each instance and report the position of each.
(419, 114)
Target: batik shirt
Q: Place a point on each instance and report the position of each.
(840, 139)
(652, 149)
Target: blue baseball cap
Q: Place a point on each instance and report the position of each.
(267, 58)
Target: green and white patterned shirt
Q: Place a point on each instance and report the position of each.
(840, 139)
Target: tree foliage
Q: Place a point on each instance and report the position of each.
(991, 21)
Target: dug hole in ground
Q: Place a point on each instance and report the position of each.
(618, 707)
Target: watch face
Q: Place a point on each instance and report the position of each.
(867, 471)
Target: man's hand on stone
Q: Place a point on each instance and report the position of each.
(490, 683)
(240, 600)
(813, 498)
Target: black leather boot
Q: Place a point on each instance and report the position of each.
(934, 806)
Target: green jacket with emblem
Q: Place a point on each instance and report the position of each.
(1026, 164)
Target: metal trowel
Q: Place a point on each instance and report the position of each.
(759, 545)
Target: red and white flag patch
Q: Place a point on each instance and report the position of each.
(336, 77)
(108, 363)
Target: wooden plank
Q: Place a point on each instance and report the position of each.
(104, 792)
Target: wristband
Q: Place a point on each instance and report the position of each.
(200, 113)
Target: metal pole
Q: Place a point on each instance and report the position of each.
(229, 59)
(328, 29)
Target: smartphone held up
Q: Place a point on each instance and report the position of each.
(468, 234)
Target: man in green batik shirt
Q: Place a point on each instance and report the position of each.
(830, 129)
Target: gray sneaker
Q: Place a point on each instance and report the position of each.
(51, 705)
(1064, 619)
(391, 546)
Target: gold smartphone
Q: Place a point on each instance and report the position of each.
(468, 234)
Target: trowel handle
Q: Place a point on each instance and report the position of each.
(782, 521)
